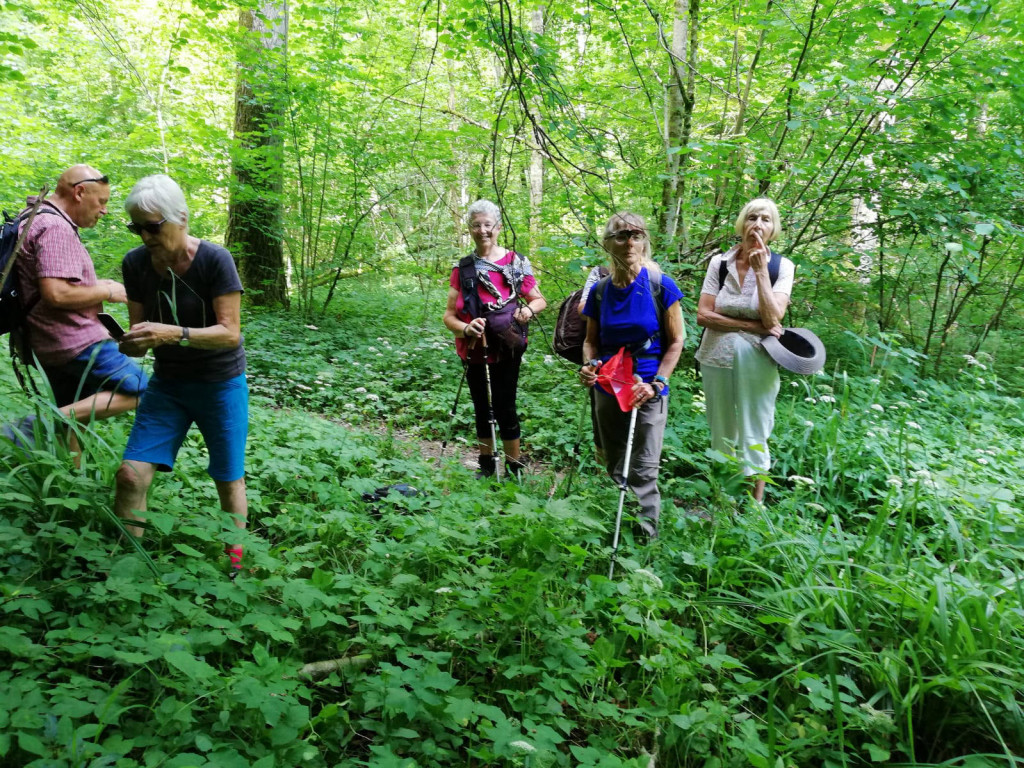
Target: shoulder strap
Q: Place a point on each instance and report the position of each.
(774, 263)
(467, 281)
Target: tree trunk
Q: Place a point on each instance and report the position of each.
(535, 173)
(679, 104)
(255, 215)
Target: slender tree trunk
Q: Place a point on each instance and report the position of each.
(255, 214)
(679, 103)
(536, 170)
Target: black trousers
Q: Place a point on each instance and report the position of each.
(504, 384)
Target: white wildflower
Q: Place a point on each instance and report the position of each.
(869, 433)
(303, 387)
(895, 482)
(810, 400)
(913, 425)
(972, 360)
(525, 746)
(442, 590)
(794, 383)
(981, 380)
(651, 577)
(827, 399)
(349, 406)
(982, 460)
(876, 382)
(878, 407)
(808, 423)
(373, 397)
(902, 404)
(799, 479)
(379, 355)
(359, 390)
(371, 349)
(548, 360)
(312, 328)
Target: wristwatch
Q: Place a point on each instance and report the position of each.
(184, 340)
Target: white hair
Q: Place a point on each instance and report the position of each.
(158, 193)
(485, 207)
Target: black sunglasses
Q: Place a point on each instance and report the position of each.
(624, 235)
(149, 227)
(100, 180)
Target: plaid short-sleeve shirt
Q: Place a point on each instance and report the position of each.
(53, 249)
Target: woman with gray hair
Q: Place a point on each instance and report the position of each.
(492, 296)
(744, 297)
(184, 303)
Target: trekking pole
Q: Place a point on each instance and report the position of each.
(623, 486)
(579, 439)
(455, 405)
(490, 411)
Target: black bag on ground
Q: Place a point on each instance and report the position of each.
(571, 327)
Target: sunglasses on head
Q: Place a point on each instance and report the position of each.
(99, 180)
(149, 227)
(625, 235)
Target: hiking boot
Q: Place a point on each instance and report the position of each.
(514, 467)
(488, 466)
(21, 433)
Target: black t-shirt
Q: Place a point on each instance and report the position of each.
(186, 300)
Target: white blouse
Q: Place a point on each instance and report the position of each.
(736, 301)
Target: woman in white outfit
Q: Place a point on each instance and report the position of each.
(740, 380)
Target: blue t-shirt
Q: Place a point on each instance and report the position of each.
(630, 316)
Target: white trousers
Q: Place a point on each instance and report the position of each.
(740, 405)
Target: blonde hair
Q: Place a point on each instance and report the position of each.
(629, 220)
(759, 203)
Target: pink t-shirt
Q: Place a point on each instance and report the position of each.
(500, 283)
(52, 249)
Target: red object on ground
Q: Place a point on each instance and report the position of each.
(616, 376)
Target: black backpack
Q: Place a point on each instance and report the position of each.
(571, 326)
(12, 311)
(503, 331)
(774, 264)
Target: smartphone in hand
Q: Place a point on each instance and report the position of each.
(111, 325)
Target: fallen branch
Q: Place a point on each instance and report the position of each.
(316, 670)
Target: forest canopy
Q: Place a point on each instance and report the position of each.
(343, 137)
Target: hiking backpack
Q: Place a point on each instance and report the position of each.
(571, 326)
(12, 312)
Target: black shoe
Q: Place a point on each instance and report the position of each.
(514, 467)
(488, 466)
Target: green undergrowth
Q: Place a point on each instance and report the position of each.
(870, 614)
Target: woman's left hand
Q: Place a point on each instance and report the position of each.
(524, 314)
(642, 393)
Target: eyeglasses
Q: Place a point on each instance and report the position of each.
(100, 180)
(625, 235)
(149, 227)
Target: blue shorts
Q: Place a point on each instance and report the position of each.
(100, 367)
(170, 406)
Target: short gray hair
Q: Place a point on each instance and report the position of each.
(485, 207)
(758, 204)
(158, 193)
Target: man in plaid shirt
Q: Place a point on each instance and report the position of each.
(62, 296)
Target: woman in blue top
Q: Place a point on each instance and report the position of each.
(623, 310)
